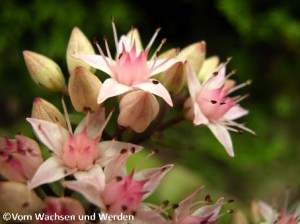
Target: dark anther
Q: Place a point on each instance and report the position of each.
(207, 198)
(163, 169)
(120, 55)
(229, 211)
(204, 222)
(230, 200)
(215, 73)
(95, 40)
(174, 206)
(155, 82)
(40, 127)
(132, 149)
(9, 158)
(87, 109)
(123, 151)
(165, 203)
(119, 178)
(213, 101)
(133, 213)
(25, 204)
(124, 208)
(222, 103)
(154, 151)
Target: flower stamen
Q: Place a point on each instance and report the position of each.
(152, 39)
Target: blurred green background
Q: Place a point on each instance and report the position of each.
(262, 36)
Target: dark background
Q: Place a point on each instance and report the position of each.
(262, 36)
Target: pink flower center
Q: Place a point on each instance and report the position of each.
(214, 103)
(79, 151)
(131, 68)
(123, 194)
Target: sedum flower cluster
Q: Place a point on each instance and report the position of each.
(85, 170)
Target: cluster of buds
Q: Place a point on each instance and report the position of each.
(91, 161)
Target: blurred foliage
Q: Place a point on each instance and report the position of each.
(263, 37)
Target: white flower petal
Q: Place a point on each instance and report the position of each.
(51, 170)
(94, 176)
(216, 81)
(199, 116)
(93, 121)
(193, 83)
(111, 88)
(157, 89)
(161, 65)
(88, 191)
(154, 176)
(97, 62)
(235, 113)
(51, 134)
(222, 134)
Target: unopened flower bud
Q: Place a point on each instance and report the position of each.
(84, 88)
(174, 78)
(137, 110)
(45, 72)
(208, 67)
(238, 217)
(168, 53)
(19, 158)
(18, 199)
(194, 54)
(44, 110)
(78, 44)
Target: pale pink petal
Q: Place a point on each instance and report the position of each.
(97, 62)
(94, 176)
(108, 149)
(184, 206)
(199, 116)
(217, 78)
(154, 176)
(161, 65)
(93, 122)
(193, 83)
(266, 211)
(209, 210)
(51, 170)
(156, 89)
(51, 134)
(235, 113)
(111, 88)
(88, 191)
(124, 41)
(117, 165)
(147, 215)
(90, 184)
(222, 134)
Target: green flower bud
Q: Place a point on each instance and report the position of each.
(194, 54)
(174, 78)
(84, 88)
(18, 199)
(78, 44)
(208, 67)
(45, 72)
(44, 110)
